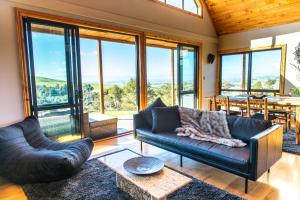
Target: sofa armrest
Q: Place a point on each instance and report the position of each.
(139, 122)
(265, 150)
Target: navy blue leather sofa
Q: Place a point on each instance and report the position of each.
(264, 146)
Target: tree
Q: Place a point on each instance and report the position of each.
(113, 97)
(269, 84)
(129, 97)
(257, 85)
(91, 99)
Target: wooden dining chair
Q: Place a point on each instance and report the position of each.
(258, 108)
(284, 113)
(223, 103)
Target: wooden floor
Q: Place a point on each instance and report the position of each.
(283, 182)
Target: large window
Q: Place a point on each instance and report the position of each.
(119, 78)
(161, 65)
(171, 73)
(72, 70)
(109, 75)
(192, 6)
(256, 72)
(90, 71)
(187, 76)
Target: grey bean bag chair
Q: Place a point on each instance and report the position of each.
(28, 156)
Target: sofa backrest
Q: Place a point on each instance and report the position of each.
(244, 128)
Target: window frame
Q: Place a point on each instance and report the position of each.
(197, 2)
(249, 51)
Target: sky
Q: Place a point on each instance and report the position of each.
(264, 63)
(118, 60)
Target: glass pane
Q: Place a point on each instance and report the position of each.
(89, 51)
(119, 81)
(234, 71)
(176, 3)
(187, 65)
(58, 121)
(191, 6)
(266, 70)
(188, 100)
(49, 64)
(159, 74)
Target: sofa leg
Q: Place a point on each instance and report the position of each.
(268, 170)
(180, 160)
(246, 185)
(141, 147)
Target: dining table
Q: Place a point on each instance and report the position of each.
(276, 101)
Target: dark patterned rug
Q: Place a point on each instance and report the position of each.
(289, 144)
(96, 181)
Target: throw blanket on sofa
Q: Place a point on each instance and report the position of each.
(208, 126)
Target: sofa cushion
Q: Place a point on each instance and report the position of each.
(245, 128)
(147, 113)
(237, 158)
(165, 119)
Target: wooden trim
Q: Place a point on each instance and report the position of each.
(105, 39)
(101, 87)
(171, 39)
(142, 71)
(173, 78)
(96, 26)
(218, 68)
(23, 65)
(245, 50)
(180, 9)
(244, 78)
(66, 20)
(200, 95)
(282, 69)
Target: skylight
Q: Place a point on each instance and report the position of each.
(191, 6)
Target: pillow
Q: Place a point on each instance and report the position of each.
(244, 128)
(165, 119)
(147, 113)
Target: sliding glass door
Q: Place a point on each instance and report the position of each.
(172, 73)
(54, 76)
(161, 65)
(187, 76)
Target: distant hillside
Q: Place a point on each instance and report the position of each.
(48, 81)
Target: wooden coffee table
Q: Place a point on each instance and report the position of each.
(154, 187)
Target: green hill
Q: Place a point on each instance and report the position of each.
(48, 81)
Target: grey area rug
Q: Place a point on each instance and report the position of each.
(289, 142)
(96, 181)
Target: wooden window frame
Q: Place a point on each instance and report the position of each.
(251, 50)
(141, 52)
(198, 2)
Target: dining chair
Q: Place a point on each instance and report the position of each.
(223, 103)
(258, 108)
(284, 113)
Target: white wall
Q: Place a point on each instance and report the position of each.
(288, 34)
(142, 15)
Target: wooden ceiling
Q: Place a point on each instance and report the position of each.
(231, 16)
